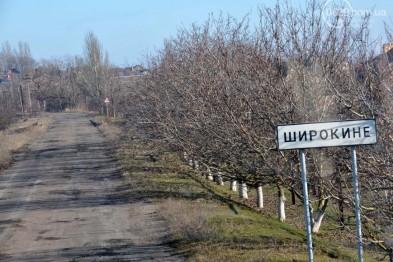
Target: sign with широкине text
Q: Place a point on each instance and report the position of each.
(327, 134)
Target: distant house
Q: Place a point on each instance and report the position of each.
(6, 76)
(385, 59)
(387, 48)
(13, 72)
(383, 63)
(4, 79)
(137, 70)
(127, 71)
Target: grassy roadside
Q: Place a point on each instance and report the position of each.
(207, 222)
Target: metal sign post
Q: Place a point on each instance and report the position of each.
(106, 101)
(306, 204)
(328, 134)
(357, 203)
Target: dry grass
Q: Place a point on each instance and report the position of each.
(108, 127)
(189, 220)
(20, 134)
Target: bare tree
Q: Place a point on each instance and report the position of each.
(218, 90)
(94, 71)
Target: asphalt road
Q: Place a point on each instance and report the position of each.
(66, 200)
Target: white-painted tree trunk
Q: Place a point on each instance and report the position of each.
(243, 191)
(281, 204)
(259, 196)
(209, 175)
(196, 165)
(316, 219)
(220, 180)
(185, 156)
(233, 186)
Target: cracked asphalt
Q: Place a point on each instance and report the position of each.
(65, 199)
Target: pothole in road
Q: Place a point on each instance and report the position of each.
(48, 238)
(62, 221)
(10, 221)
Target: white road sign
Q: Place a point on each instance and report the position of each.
(328, 134)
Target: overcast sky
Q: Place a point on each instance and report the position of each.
(128, 29)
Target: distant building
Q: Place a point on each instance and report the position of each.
(387, 47)
(137, 70)
(13, 72)
(6, 76)
(4, 79)
(384, 61)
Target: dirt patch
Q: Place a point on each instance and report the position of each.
(107, 126)
(20, 134)
(189, 220)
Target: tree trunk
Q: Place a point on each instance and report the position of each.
(341, 211)
(259, 196)
(317, 221)
(196, 165)
(113, 108)
(30, 102)
(11, 90)
(243, 191)
(219, 181)
(281, 204)
(293, 196)
(22, 101)
(209, 175)
(340, 203)
(233, 186)
(391, 255)
(317, 218)
(314, 187)
(185, 156)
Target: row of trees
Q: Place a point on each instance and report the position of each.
(13, 63)
(28, 86)
(217, 91)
